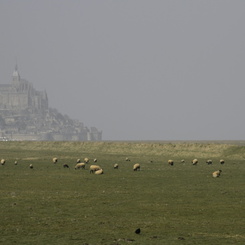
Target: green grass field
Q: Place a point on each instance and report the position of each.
(179, 204)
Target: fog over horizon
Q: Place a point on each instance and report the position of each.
(137, 70)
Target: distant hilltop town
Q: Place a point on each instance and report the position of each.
(26, 115)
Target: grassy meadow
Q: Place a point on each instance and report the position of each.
(179, 204)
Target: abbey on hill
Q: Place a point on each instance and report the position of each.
(26, 115)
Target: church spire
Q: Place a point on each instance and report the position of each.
(16, 75)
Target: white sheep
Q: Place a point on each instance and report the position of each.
(115, 166)
(127, 159)
(15, 162)
(31, 166)
(86, 160)
(222, 161)
(171, 162)
(78, 160)
(217, 173)
(194, 162)
(55, 160)
(100, 171)
(3, 161)
(209, 161)
(80, 165)
(136, 167)
(95, 160)
(94, 168)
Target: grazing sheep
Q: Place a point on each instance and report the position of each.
(31, 166)
(15, 162)
(217, 173)
(222, 161)
(86, 160)
(94, 168)
(100, 171)
(209, 162)
(95, 160)
(182, 160)
(78, 160)
(55, 160)
(171, 162)
(194, 162)
(127, 159)
(65, 166)
(3, 161)
(80, 165)
(136, 167)
(115, 166)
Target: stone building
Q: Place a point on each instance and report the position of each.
(20, 95)
(26, 115)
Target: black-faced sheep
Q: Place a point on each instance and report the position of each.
(194, 162)
(209, 162)
(80, 165)
(100, 171)
(55, 160)
(86, 160)
(182, 160)
(95, 160)
(31, 166)
(222, 161)
(65, 165)
(78, 160)
(15, 162)
(170, 162)
(94, 168)
(136, 167)
(127, 159)
(115, 166)
(217, 173)
(3, 161)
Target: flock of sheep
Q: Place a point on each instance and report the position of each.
(96, 169)
(195, 162)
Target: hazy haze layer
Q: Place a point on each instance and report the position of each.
(138, 70)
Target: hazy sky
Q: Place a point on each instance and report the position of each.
(135, 69)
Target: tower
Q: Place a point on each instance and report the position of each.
(16, 77)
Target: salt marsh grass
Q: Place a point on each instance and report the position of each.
(179, 204)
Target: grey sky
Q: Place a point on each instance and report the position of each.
(135, 69)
